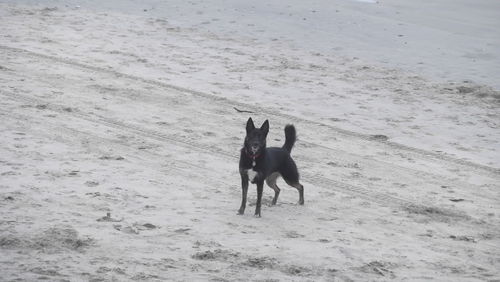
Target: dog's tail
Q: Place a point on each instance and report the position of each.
(290, 137)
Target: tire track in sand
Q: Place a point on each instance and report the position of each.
(413, 177)
(415, 152)
(409, 176)
(315, 179)
(379, 198)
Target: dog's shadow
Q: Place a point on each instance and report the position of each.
(265, 201)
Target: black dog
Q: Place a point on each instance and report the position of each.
(258, 163)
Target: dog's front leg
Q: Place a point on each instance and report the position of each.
(244, 190)
(260, 188)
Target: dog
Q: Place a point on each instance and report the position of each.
(259, 163)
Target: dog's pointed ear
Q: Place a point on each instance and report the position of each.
(265, 127)
(250, 125)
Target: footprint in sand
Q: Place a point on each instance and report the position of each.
(91, 183)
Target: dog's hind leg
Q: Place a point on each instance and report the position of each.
(291, 175)
(299, 187)
(271, 182)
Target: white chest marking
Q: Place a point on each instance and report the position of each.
(251, 174)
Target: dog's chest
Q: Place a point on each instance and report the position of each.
(251, 174)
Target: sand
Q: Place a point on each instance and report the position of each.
(120, 135)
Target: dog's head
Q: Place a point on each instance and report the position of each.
(255, 141)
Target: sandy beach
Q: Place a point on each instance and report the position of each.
(121, 125)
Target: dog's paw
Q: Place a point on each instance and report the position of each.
(257, 215)
(241, 212)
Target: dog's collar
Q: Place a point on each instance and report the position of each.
(253, 157)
